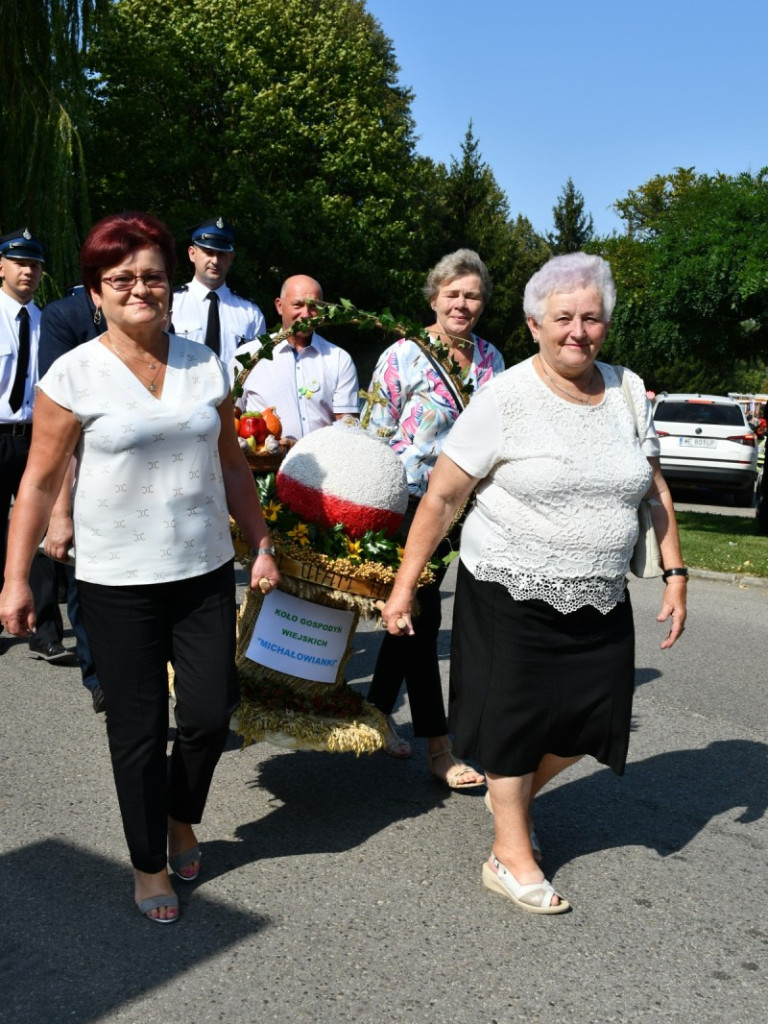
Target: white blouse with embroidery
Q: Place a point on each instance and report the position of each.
(556, 511)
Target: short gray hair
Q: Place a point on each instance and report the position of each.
(457, 264)
(565, 274)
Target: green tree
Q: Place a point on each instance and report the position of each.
(573, 228)
(43, 89)
(476, 209)
(692, 278)
(476, 215)
(283, 115)
(642, 207)
(529, 253)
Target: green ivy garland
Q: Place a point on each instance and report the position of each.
(345, 314)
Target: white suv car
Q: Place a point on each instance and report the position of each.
(706, 440)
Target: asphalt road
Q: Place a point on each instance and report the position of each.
(339, 890)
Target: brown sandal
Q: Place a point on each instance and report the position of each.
(453, 780)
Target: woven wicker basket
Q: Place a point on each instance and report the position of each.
(332, 581)
(269, 463)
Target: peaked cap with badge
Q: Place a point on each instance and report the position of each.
(217, 234)
(20, 245)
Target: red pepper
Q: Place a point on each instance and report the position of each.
(252, 425)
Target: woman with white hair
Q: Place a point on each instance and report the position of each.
(542, 660)
(419, 403)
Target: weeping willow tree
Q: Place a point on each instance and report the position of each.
(42, 84)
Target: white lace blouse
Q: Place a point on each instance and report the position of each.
(556, 511)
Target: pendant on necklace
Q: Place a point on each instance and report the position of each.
(151, 387)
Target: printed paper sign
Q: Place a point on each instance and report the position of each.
(300, 638)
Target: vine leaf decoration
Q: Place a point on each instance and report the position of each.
(345, 314)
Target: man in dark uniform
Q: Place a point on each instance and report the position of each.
(21, 268)
(64, 324)
(206, 309)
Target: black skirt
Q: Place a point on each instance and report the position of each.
(527, 680)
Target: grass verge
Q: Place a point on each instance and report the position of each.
(722, 543)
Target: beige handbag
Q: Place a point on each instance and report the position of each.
(645, 562)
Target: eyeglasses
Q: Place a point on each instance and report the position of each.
(125, 282)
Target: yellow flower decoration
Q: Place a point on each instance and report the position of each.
(300, 533)
(400, 552)
(272, 510)
(354, 549)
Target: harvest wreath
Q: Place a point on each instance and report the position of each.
(332, 511)
(323, 565)
(307, 550)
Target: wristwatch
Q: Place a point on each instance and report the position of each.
(682, 571)
(270, 550)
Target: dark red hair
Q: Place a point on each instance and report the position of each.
(117, 236)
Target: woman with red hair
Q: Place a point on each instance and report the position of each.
(149, 420)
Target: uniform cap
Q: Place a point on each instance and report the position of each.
(20, 245)
(217, 234)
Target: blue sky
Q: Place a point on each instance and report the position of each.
(607, 93)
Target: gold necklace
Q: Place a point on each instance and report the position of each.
(574, 398)
(152, 365)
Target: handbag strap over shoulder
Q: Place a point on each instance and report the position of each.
(629, 400)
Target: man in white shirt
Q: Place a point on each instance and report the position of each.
(206, 309)
(21, 268)
(309, 381)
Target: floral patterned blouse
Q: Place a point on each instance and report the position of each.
(418, 410)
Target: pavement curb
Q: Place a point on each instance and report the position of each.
(729, 577)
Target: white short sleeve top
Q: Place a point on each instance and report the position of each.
(149, 502)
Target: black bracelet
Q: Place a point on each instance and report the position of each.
(673, 572)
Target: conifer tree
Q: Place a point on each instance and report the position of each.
(573, 229)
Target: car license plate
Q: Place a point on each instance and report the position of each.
(698, 442)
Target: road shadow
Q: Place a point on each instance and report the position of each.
(662, 803)
(72, 946)
(324, 803)
(646, 675)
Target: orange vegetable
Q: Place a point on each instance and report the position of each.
(274, 426)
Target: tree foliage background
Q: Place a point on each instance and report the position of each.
(42, 113)
(692, 279)
(283, 115)
(286, 116)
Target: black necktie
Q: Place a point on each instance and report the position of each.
(22, 364)
(213, 327)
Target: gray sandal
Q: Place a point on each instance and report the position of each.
(183, 860)
(154, 903)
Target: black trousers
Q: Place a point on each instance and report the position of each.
(414, 658)
(134, 631)
(42, 577)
